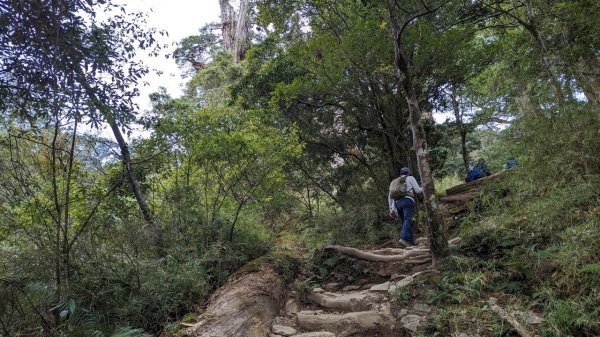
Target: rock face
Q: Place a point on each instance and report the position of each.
(244, 307)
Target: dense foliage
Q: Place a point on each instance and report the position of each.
(290, 143)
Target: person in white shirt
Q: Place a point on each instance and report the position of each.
(405, 207)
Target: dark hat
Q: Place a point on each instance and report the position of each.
(404, 171)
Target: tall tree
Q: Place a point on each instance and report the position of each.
(437, 237)
(235, 27)
(63, 47)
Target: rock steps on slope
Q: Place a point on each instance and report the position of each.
(352, 312)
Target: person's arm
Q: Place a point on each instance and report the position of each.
(392, 206)
(414, 185)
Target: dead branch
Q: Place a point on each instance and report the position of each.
(508, 318)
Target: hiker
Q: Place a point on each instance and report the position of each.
(510, 163)
(401, 200)
(479, 171)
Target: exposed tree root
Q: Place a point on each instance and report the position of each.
(388, 251)
(412, 256)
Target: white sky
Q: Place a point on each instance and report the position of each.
(180, 18)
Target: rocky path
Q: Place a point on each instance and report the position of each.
(260, 304)
(335, 311)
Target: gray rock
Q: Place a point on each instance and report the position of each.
(292, 306)
(350, 288)
(331, 286)
(422, 307)
(462, 334)
(316, 334)
(283, 330)
(404, 282)
(411, 322)
(400, 284)
(530, 318)
(318, 290)
(384, 287)
(398, 277)
(274, 335)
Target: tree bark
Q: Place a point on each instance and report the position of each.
(437, 240)
(408, 256)
(133, 181)
(67, 201)
(227, 24)
(545, 54)
(244, 307)
(241, 39)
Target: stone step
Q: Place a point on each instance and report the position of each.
(348, 302)
(316, 334)
(346, 323)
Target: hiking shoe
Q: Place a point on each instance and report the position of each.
(404, 243)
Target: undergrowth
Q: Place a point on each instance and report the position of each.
(532, 246)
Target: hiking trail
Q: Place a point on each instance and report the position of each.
(260, 304)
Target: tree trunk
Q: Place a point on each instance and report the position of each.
(58, 267)
(227, 24)
(125, 157)
(67, 201)
(135, 185)
(241, 41)
(437, 240)
(550, 68)
(531, 26)
(462, 130)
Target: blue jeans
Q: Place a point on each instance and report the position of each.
(406, 210)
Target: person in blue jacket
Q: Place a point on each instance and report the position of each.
(478, 171)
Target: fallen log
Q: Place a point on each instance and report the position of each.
(471, 185)
(406, 255)
(459, 198)
(244, 307)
